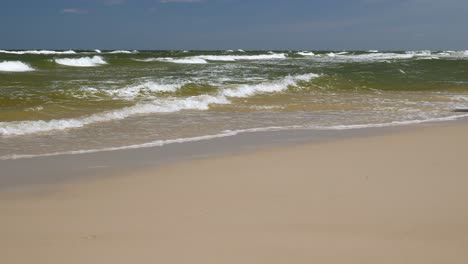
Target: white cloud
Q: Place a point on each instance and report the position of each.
(73, 11)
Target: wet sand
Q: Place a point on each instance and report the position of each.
(389, 198)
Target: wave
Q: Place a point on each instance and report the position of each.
(189, 60)
(306, 53)
(123, 52)
(200, 102)
(229, 133)
(268, 87)
(241, 57)
(133, 91)
(82, 62)
(203, 59)
(374, 55)
(42, 52)
(98, 51)
(15, 66)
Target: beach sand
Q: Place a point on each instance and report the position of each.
(391, 198)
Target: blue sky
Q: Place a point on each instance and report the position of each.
(234, 24)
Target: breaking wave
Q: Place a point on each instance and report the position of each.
(43, 52)
(15, 66)
(230, 133)
(268, 87)
(200, 102)
(203, 59)
(133, 91)
(123, 52)
(82, 62)
(374, 55)
(241, 57)
(189, 60)
(306, 53)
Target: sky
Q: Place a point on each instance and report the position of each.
(234, 24)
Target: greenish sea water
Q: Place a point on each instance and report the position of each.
(79, 101)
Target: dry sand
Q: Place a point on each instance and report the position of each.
(397, 198)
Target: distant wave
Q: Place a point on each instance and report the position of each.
(374, 55)
(123, 52)
(44, 52)
(241, 57)
(306, 53)
(82, 62)
(188, 60)
(203, 59)
(15, 66)
(268, 87)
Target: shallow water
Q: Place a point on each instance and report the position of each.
(78, 101)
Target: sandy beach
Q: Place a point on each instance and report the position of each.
(389, 198)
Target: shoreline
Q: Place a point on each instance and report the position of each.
(394, 197)
(49, 169)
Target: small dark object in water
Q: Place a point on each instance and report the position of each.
(460, 110)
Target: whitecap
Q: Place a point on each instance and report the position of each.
(267, 87)
(132, 91)
(185, 60)
(15, 66)
(241, 57)
(306, 53)
(122, 52)
(82, 62)
(41, 52)
(201, 102)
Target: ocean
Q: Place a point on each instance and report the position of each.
(78, 101)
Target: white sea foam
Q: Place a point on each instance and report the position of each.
(203, 59)
(394, 123)
(241, 57)
(184, 60)
(122, 52)
(383, 56)
(44, 52)
(306, 53)
(15, 66)
(372, 56)
(267, 87)
(229, 133)
(133, 91)
(98, 51)
(201, 102)
(82, 62)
